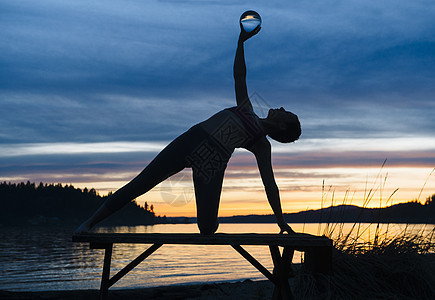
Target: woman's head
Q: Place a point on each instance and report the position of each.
(282, 126)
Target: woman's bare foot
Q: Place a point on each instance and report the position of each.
(84, 228)
(101, 213)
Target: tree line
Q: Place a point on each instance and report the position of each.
(46, 204)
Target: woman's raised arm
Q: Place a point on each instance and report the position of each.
(239, 69)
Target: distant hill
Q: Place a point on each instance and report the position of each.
(411, 212)
(49, 204)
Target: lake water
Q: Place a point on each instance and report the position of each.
(38, 258)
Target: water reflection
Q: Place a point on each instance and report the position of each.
(45, 259)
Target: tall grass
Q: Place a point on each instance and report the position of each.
(358, 238)
(384, 264)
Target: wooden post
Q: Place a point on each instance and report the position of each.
(133, 264)
(104, 289)
(255, 263)
(282, 267)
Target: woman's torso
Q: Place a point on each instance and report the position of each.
(235, 127)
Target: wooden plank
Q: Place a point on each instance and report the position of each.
(297, 241)
(99, 245)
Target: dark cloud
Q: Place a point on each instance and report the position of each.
(146, 71)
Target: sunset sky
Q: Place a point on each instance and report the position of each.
(90, 91)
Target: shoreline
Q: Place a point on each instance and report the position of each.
(247, 289)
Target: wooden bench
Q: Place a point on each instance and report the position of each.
(317, 258)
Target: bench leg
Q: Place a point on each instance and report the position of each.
(282, 268)
(255, 263)
(104, 289)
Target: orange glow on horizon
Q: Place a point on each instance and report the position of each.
(303, 190)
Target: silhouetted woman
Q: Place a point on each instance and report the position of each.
(207, 147)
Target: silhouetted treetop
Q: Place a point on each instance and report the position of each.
(28, 203)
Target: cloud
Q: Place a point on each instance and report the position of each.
(86, 84)
(68, 149)
(109, 46)
(85, 162)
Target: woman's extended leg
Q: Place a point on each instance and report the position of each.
(168, 162)
(157, 171)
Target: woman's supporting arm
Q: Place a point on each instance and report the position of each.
(262, 152)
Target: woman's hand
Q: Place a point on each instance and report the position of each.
(286, 228)
(247, 35)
